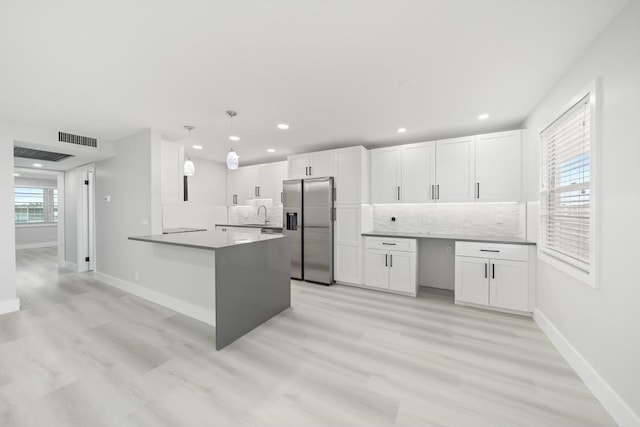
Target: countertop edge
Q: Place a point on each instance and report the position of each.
(251, 226)
(184, 245)
(503, 240)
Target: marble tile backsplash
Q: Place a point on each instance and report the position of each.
(249, 215)
(475, 219)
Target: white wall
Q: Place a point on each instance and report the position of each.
(8, 300)
(603, 325)
(207, 198)
(36, 236)
(133, 210)
(36, 182)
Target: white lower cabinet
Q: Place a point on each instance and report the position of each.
(390, 264)
(493, 275)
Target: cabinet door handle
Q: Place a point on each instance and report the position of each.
(386, 260)
(489, 250)
(310, 173)
(235, 199)
(259, 192)
(335, 194)
(391, 260)
(493, 271)
(477, 190)
(282, 196)
(438, 192)
(433, 191)
(398, 192)
(390, 244)
(485, 270)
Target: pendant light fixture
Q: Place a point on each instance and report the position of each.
(233, 160)
(189, 166)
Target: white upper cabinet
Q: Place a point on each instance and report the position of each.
(271, 177)
(498, 167)
(322, 163)
(248, 181)
(385, 175)
(418, 173)
(298, 166)
(403, 174)
(308, 165)
(352, 176)
(256, 182)
(455, 170)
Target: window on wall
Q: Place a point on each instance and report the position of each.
(34, 205)
(567, 232)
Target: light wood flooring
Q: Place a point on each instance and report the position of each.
(80, 353)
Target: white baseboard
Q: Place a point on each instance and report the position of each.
(70, 266)
(617, 408)
(36, 245)
(175, 304)
(9, 306)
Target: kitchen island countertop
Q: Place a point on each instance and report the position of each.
(209, 240)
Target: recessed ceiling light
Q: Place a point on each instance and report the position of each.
(484, 116)
(271, 150)
(234, 138)
(283, 126)
(37, 165)
(16, 174)
(197, 147)
(402, 130)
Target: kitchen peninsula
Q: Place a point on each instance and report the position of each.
(239, 280)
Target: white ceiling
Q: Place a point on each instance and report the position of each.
(331, 69)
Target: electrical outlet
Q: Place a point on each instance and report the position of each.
(393, 219)
(499, 219)
(107, 199)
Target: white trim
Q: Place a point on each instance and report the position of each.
(9, 306)
(612, 402)
(36, 224)
(61, 219)
(199, 313)
(594, 90)
(37, 245)
(70, 266)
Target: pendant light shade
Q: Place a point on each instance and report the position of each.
(233, 160)
(189, 168)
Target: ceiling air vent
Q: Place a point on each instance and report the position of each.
(70, 138)
(28, 153)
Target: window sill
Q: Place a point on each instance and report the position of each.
(573, 271)
(37, 224)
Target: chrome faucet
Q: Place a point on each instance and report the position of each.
(266, 218)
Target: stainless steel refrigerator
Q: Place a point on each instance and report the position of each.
(308, 217)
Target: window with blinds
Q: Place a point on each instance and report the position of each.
(565, 199)
(33, 205)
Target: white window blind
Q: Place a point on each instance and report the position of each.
(566, 186)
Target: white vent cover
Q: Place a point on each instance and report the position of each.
(70, 138)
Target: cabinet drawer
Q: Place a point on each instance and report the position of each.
(492, 250)
(392, 244)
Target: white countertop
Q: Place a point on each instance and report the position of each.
(209, 240)
(487, 239)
